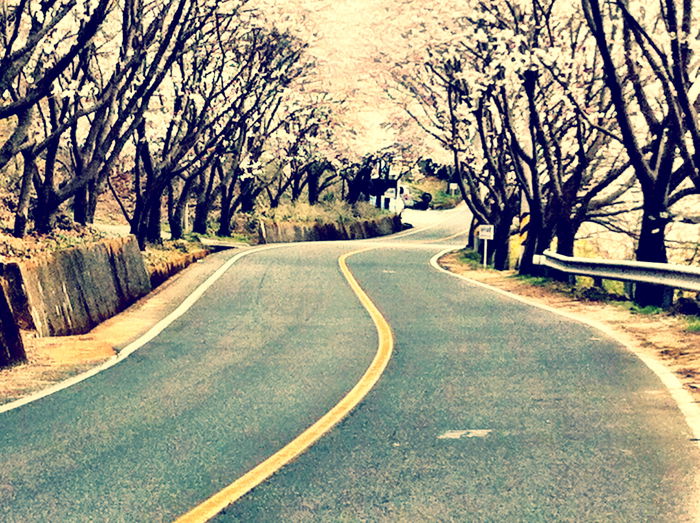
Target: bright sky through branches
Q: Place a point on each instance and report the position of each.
(344, 37)
(349, 32)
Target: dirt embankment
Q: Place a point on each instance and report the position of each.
(663, 336)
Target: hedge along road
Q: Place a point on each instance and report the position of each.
(489, 410)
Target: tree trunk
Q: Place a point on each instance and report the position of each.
(147, 226)
(313, 187)
(22, 211)
(501, 242)
(532, 242)
(80, 203)
(297, 187)
(205, 200)
(11, 345)
(226, 213)
(247, 195)
(47, 200)
(177, 220)
(566, 236)
(46, 212)
(201, 216)
(153, 232)
(471, 234)
(652, 248)
(96, 189)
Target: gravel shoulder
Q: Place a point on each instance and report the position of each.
(663, 336)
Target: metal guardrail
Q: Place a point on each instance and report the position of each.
(676, 276)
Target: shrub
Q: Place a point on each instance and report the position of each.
(693, 324)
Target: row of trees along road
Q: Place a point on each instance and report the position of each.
(162, 103)
(574, 112)
(570, 112)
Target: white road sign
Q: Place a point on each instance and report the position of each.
(485, 232)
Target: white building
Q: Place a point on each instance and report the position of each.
(396, 195)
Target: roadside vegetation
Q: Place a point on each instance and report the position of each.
(559, 118)
(170, 250)
(586, 289)
(694, 324)
(328, 211)
(438, 190)
(195, 115)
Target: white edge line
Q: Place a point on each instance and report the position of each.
(684, 399)
(141, 341)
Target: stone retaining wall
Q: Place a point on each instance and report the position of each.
(71, 291)
(284, 232)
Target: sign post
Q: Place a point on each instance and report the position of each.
(485, 232)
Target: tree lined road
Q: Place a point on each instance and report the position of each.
(488, 410)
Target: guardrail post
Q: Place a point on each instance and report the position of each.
(651, 294)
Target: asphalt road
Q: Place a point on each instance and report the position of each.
(489, 410)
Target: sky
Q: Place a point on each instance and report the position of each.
(349, 35)
(344, 37)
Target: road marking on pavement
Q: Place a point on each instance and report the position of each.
(689, 408)
(169, 319)
(140, 342)
(459, 434)
(455, 235)
(222, 499)
(685, 401)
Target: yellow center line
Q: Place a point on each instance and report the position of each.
(222, 499)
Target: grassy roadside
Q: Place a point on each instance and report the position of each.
(335, 211)
(437, 188)
(672, 339)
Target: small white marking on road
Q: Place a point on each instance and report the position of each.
(386, 271)
(458, 434)
(452, 434)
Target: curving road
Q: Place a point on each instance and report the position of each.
(489, 410)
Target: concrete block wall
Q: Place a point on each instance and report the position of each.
(71, 291)
(273, 232)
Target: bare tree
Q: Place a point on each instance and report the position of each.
(647, 78)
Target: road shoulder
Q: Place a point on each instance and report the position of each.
(661, 341)
(55, 359)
